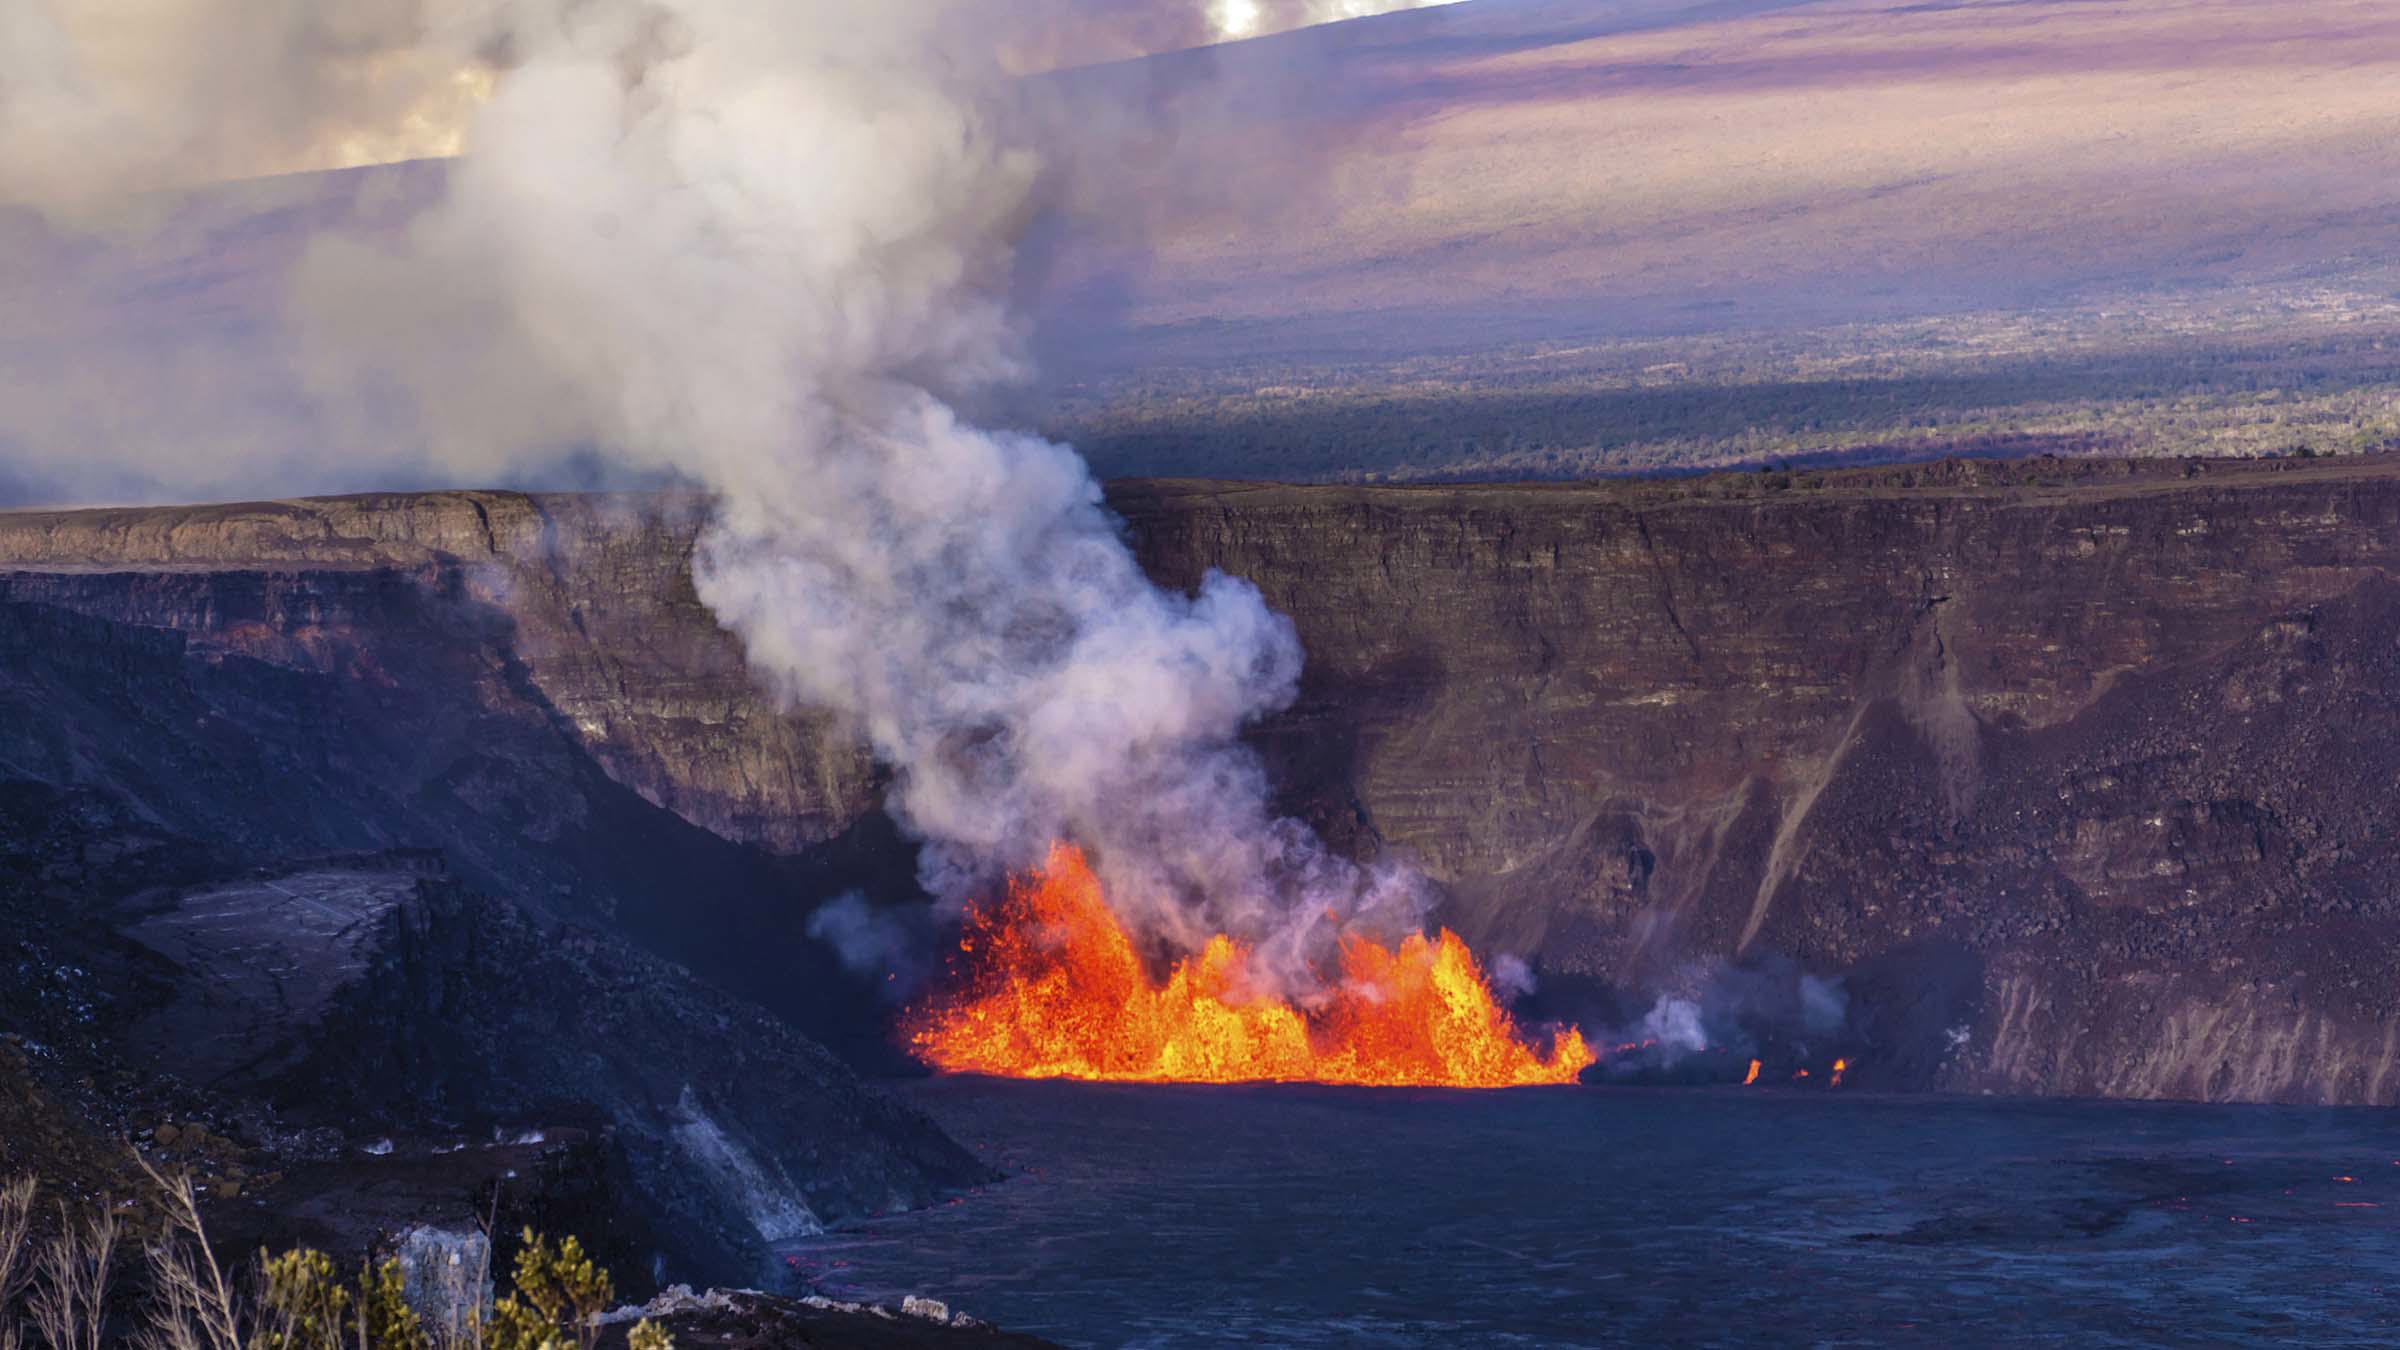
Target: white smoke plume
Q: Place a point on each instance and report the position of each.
(870, 940)
(769, 254)
(1676, 1026)
(98, 100)
(165, 342)
(768, 246)
(1773, 1006)
(1512, 977)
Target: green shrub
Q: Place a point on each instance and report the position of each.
(556, 1287)
(298, 1300)
(304, 1306)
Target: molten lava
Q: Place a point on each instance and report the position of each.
(1056, 989)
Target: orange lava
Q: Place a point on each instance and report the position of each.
(1840, 1067)
(1055, 989)
(1752, 1076)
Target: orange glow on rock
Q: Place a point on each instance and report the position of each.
(1056, 989)
(1840, 1067)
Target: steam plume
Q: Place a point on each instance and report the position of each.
(96, 102)
(767, 248)
(160, 342)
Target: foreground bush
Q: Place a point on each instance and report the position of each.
(59, 1291)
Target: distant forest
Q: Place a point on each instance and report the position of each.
(2131, 384)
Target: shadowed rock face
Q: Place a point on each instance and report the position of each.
(2075, 769)
(2078, 760)
(308, 849)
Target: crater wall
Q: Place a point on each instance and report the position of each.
(2076, 769)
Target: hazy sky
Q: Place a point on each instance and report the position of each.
(1500, 168)
(1861, 156)
(97, 97)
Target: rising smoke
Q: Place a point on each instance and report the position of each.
(769, 248)
(771, 255)
(97, 101)
(1769, 1007)
(165, 342)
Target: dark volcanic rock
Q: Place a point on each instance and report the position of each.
(177, 945)
(261, 960)
(281, 714)
(742, 1320)
(41, 1136)
(2073, 768)
(376, 995)
(737, 1130)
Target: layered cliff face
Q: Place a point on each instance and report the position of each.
(2077, 771)
(2073, 770)
(590, 596)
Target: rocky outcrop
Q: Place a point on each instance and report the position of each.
(2109, 733)
(260, 708)
(592, 597)
(739, 1132)
(748, 1320)
(2072, 768)
(340, 875)
(378, 993)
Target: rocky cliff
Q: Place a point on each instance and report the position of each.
(303, 853)
(2072, 770)
(2075, 770)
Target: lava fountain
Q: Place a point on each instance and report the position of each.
(1054, 988)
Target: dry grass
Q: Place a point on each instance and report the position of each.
(192, 1304)
(59, 1286)
(69, 1302)
(16, 1232)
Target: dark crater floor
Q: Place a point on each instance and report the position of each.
(1167, 1216)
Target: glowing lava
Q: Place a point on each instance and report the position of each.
(1055, 989)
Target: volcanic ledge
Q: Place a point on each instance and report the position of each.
(2072, 770)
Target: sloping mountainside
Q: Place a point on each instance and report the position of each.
(2073, 772)
(1508, 238)
(298, 861)
(1637, 165)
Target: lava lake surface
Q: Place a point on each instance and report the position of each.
(1140, 1215)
